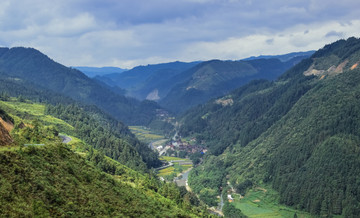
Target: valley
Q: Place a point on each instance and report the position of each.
(262, 137)
(257, 202)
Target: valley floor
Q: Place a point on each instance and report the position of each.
(263, 202)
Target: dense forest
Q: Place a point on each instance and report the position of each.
(106, 134)
(299, 134)
(53, 181)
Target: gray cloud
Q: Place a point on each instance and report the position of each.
(131, 32)
(334, 33)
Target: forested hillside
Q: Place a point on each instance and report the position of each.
(54, 181)
(41, 177)
(299, 134)
(32, 66)
(107, 135)
(214, 78)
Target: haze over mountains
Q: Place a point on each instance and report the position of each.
(99, 71)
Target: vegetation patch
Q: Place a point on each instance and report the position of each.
(167, 158)
(176, 169)
(144, 134)
(261, 202)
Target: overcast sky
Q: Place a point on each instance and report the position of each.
(126, 33)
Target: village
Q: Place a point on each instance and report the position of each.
(178, 147)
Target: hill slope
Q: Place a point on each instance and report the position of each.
(215, 78)
(53, 181)
(33, 66)
(49, 180)
(299, 134)
(6, 124)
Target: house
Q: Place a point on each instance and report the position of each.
(230, 198)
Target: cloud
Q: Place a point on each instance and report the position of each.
(132, 32)
(334, 33)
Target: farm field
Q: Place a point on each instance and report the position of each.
(144, 134)
(176, 169)
(263, 202)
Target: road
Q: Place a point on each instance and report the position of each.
(183, 180)
(65, 139)
(166, 166)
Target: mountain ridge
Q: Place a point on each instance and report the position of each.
(215, 78)
(298, 134)
(31, 65)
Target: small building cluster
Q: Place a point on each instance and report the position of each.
(179, 145)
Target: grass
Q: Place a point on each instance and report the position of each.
(166, 171)
(26, 111)
(167, 158)
(31, 108)
(144, 134)
(261, 202)
(20, 109)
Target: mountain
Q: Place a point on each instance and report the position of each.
(33, 66)
(99, 71)
(177, 86)
(298, 135)
(215, 78)
(142, 80)
(97, 128)
(284, 57)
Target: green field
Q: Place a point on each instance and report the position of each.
(176, 169)
(261, 202)
(144, 134)
(27, 111)
(167, 158)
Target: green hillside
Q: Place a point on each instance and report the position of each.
(214, 78)
(41, 177)
(32, 66)
(299, 135)
(92, 126)
(54, 181)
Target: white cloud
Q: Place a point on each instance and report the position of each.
(297, 38)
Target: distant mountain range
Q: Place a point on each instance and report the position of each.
(178, 86)
(141, 81)
(100, 71)
(284, 57)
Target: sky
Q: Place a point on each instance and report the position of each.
(127, 33)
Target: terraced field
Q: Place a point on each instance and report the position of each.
(144, 134)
